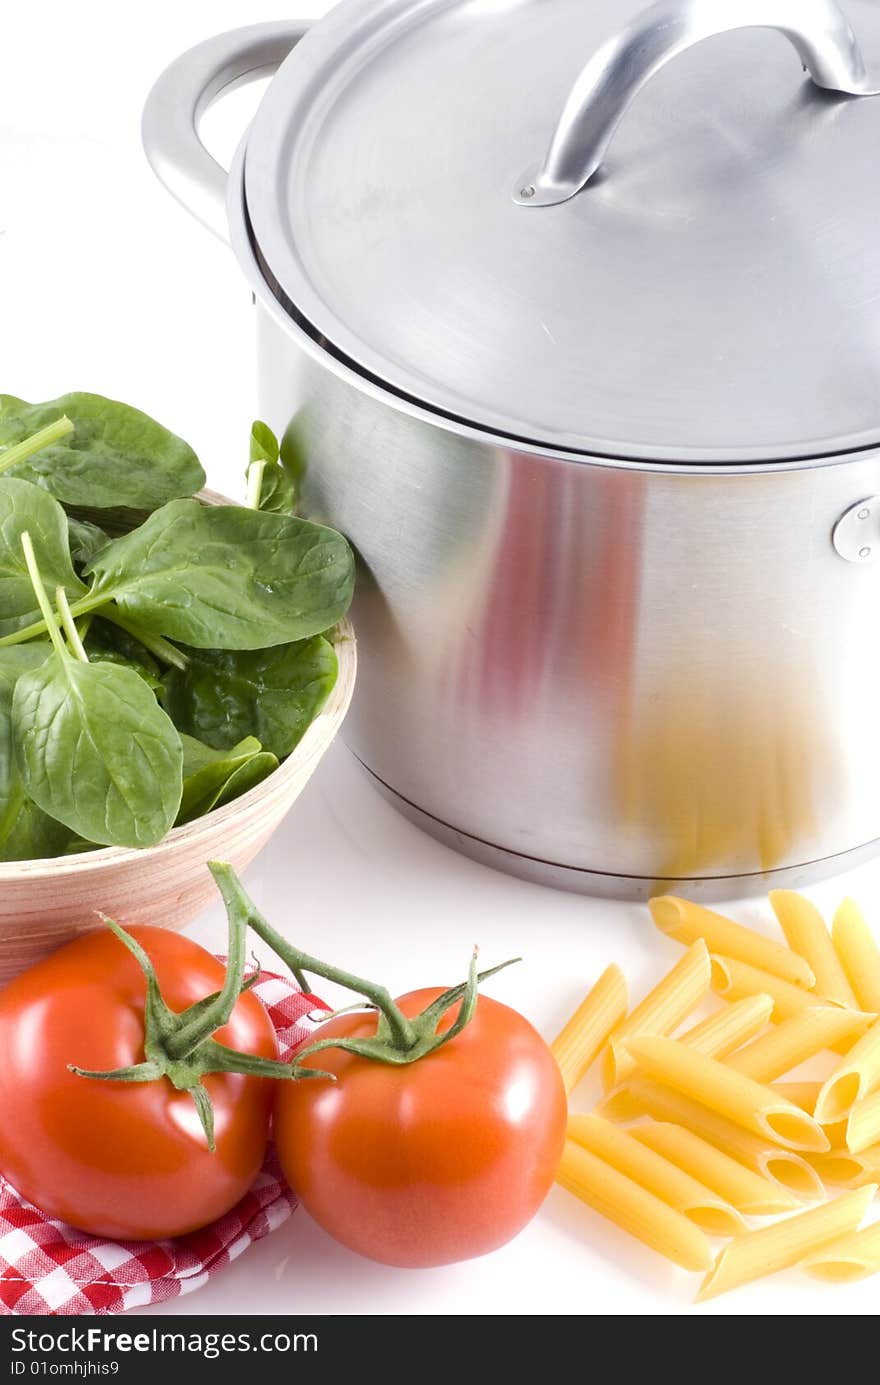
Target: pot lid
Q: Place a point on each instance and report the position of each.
(636, 233)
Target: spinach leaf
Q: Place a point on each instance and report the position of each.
(225, 577)
(213, 777)
(76, 845)
(29, 834)
(94, 748)
(247, 776)
(112, 656)
(26, 832)
(96, 751)
(26, 507)
(275, 694)
(106, 643)
(277, 492)
(86, 539)
(116, 456)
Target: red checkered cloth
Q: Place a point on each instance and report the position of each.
(47, 1267)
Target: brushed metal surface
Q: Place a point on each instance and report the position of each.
(613, 77)
(711, 297)
(707, 889)
(593, 670)
(632, 673)
(181, 95)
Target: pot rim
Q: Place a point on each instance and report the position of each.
(667, 461)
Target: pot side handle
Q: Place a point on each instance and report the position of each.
(818, 30)
(182, 94)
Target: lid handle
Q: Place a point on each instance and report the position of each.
(613, 77)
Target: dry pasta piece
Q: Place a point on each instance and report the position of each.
(662, 1010)
(863, 1124)
(579, 1043)
(750, 1104)
(854, 1078)
(859, 954)
(684, 921)
(783, 1166)
(798, 1038)
(731, 1026)
(755, 1254)
(805, 930)
(633, 1208)
(848, 1170)
(748, 1192)
(652, 1171)
(803, 1094)
(622, 1104)
(851, 1257)
(733, 980)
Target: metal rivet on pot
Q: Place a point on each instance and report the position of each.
(527, 191)
(849, 533)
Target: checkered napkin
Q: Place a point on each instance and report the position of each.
(48, 1267)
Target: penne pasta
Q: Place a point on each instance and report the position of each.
(849, 1170)
(859, 954)
(755, 1254)
(633, 1208)
(621, 1105)
(733, 980)
(651, 1170)
(581, 1040)
(731, 1094)
(854, 1078)
(863, 1124)
(803, 1094)
(783, 1166)
(743, 1189)
(731, 1026)
(807, 935)
(850, 1257)
(662, 1010)
(798, 1038)
(684, 921)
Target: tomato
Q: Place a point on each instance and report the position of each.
(127, 1160)
(433, 1161)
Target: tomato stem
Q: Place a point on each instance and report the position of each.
(398, 1039)
(192, 1032)
(180, 1047)
(240, 907)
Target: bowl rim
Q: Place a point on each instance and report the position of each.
(322, 729)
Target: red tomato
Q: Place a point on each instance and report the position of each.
(435, 1161)
(126, 1160)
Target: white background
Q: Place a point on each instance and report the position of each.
(107, 285)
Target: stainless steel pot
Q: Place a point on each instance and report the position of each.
(605, 434)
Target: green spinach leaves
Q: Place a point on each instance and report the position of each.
(185, 657)
(94, 748)
(275, 694)
(224, 577)
(214, 777)
(114, 456)
(24, 507)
